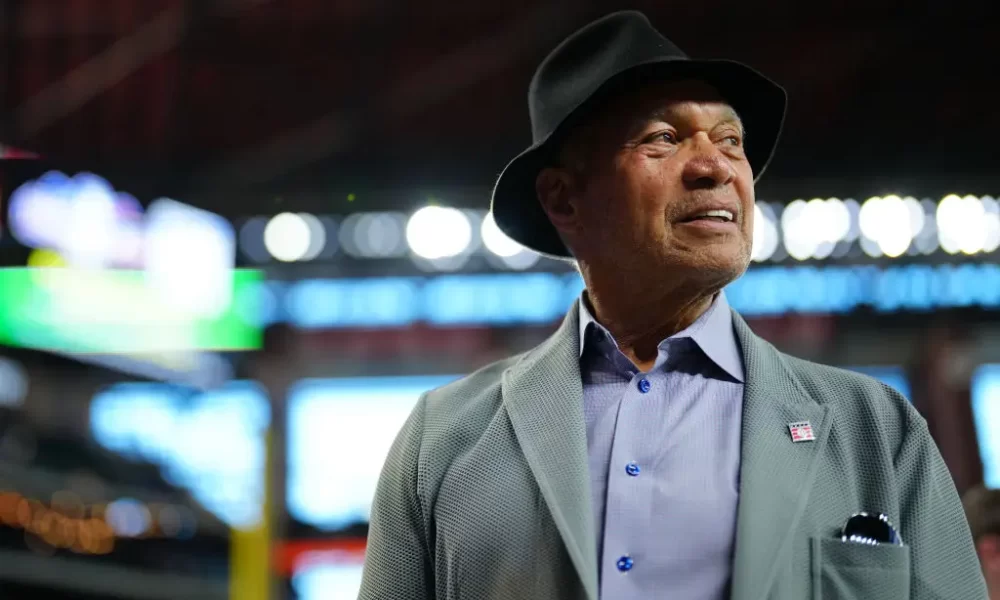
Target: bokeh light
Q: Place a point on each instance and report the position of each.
(890, 224)
(812, 229)
(765, 232)
(961, 223)
(435, 232)
(287, 237)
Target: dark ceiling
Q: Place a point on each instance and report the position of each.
(223, 94)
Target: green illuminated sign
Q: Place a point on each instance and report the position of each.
(104, 311)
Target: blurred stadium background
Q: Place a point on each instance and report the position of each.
(240, 238)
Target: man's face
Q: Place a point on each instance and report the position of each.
(657, 181)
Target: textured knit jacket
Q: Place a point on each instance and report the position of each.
(485, 492)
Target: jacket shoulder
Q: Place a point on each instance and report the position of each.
(456, 415)
(479, 387)
(826, 382)
(861, 402)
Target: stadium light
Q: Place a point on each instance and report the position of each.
(435, 232)
(287, 237)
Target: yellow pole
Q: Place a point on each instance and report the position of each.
(250, 549)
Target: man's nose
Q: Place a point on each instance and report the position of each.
(706, 166)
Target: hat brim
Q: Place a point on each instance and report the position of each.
(759, 101)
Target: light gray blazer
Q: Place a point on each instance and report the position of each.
(485, 493)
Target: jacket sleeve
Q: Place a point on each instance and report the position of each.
(943, 561)
(397, 559)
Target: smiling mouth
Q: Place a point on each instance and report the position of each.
(717, 216)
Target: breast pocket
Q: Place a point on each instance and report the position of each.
(851, 571)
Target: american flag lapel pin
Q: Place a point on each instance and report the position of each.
(801, 431)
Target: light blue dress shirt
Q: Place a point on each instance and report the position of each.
(664, 451)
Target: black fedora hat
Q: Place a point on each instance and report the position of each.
(618, 50)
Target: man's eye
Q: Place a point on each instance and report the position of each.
(734, 140)
(665, 136)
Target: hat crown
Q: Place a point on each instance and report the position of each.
(584, 62)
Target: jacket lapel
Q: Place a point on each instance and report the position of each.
(775, 474)
(543, 394)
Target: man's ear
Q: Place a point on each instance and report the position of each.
(555, 189)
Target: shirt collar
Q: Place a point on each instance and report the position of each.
(712, 332)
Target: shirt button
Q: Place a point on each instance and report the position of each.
(644, 385)
(624, 564)
(632, 469)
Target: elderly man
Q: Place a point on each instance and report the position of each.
(654, 447)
